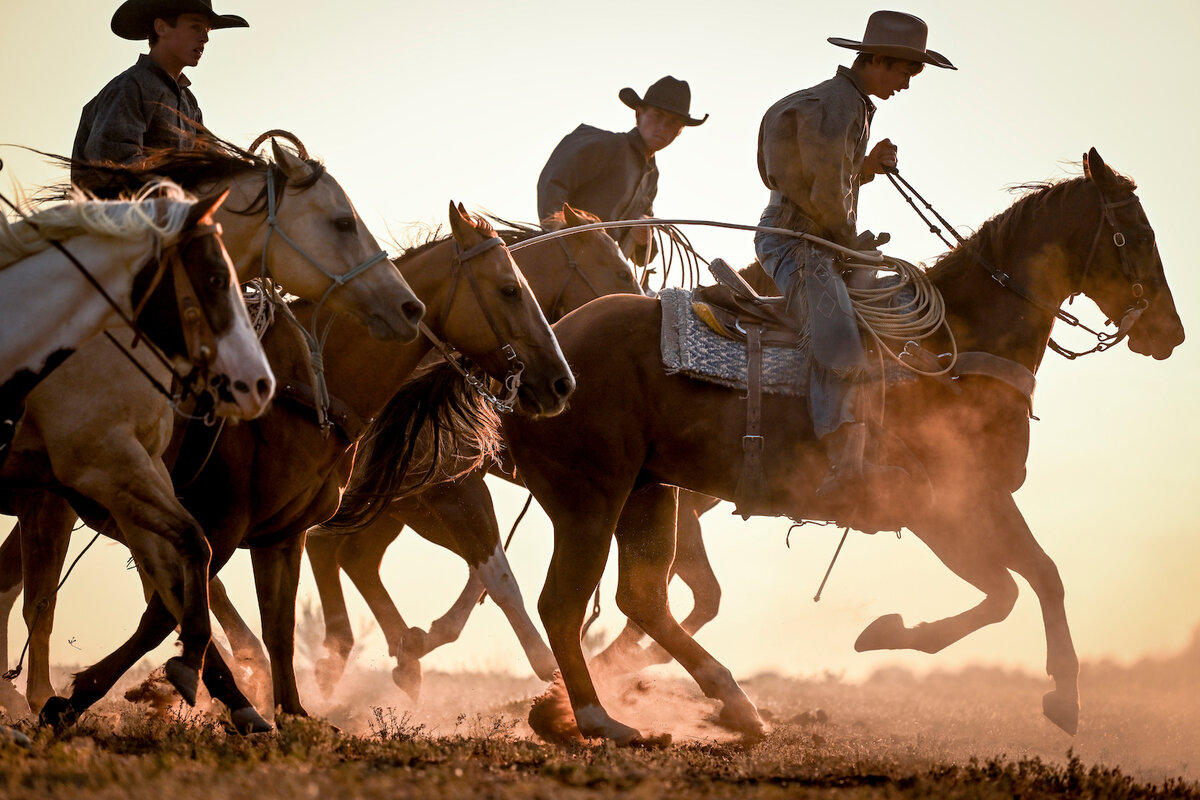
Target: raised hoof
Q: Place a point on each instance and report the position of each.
(885, 633)
(247, 721)
(407, 675)
(1062, 708)
(58, 713)
(185, 679)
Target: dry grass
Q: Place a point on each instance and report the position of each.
(972, 734)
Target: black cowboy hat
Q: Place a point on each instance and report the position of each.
(893, 33)
(669, 94)
(135, 18)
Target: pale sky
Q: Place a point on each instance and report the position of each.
(413, 104)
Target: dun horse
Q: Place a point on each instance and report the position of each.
(286, 218)
(601, 467)
(269, 481)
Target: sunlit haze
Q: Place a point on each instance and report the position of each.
(413, 104)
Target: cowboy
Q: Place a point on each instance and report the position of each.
(614, 175)
(149, 105)
(812, 155)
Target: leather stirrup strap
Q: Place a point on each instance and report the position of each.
(751, 493)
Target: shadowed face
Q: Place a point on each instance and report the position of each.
(658, 128)
(885, 77)
(182, 44)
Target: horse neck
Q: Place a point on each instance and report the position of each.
(243, 234)
(1043, 252)
(546, 271)
(432, 277)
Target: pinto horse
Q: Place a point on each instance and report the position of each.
(267, 482)
(96, 429)
(156, 262)
(605, 466)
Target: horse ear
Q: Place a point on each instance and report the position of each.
(572, 219)
(460, 223)
(291, 164)
(1096, 170)
(205, 207)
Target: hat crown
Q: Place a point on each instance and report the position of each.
(669, 94)
(896, 28)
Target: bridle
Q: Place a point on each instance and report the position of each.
(460, 265)
(1129, 317)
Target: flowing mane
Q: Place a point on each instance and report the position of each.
(991, 238)
(159, 209)
(515, 232)
(481, 225)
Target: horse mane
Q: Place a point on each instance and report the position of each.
(159, 209)
(420, 438)
(515, 232)
(989, 239)
(435, 238)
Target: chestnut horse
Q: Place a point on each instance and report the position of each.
(606, 465)
(564, 274)
(267, 482)
(96, 428)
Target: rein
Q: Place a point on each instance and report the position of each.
(512, 379)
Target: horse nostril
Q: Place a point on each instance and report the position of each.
(264, 387)
(414, 310)
(241, 386)
(563, 387)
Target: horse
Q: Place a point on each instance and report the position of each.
(268, 481)
(564, 274)
(287, 219)
(156, 263)
(606, 466)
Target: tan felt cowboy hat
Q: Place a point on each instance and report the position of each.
(893, 33)
(669, 94)
(135, 18)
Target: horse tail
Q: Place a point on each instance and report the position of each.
(435, 429)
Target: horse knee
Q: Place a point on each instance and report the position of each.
(1000, 600)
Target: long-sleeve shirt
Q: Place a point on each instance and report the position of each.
(811, 146)
(605, 173)
(142, 108)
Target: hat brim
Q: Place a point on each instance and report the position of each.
(632, 99)
(134, 19)
(896, 51)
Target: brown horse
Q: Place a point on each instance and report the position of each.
(269, 481)
(564, 274)
(600, 468)
(96, 429)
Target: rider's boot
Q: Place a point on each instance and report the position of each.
(866, 495)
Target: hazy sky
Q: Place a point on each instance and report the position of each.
(413, 104)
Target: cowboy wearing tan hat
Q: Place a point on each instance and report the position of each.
(614, 175)
(150, 104)
(812, 155)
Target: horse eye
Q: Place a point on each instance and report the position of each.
(218, 282)
(344, 224)
(511, 291)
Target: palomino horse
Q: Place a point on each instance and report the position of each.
(564, 274)
(600, 467)
(287, 218)
(267, 482)
(156, 262)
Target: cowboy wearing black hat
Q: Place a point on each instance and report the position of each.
(812, 155)
(150, 104)
(613, 175)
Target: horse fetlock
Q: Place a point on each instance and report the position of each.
(414, 644)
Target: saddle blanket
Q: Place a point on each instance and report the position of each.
(692, 348)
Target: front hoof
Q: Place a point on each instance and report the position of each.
(1062, 708)
(247, 721)
(58, 713)
(407, 675)
(185, 679)
(329, 671)
(885, 633)
(746, 722)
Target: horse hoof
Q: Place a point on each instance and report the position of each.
(14, 736)
(407, 675)
(185, 679)
(247, 720)
(746, 722)
(58, 713)
(884, 633)
(329, 672)
(1062, 708)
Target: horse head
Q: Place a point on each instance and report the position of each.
(501, 327)
(1125, 276)
(192, 305)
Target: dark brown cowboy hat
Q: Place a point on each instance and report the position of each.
(893, 33)
(667, 93)
(135, 18)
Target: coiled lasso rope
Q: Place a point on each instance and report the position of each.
(878, 310)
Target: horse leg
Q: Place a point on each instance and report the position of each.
(45, 521)
(247, 652)
(501, 585)
(276, 578)
(323, 554)
(10, 589)
(646, 549)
